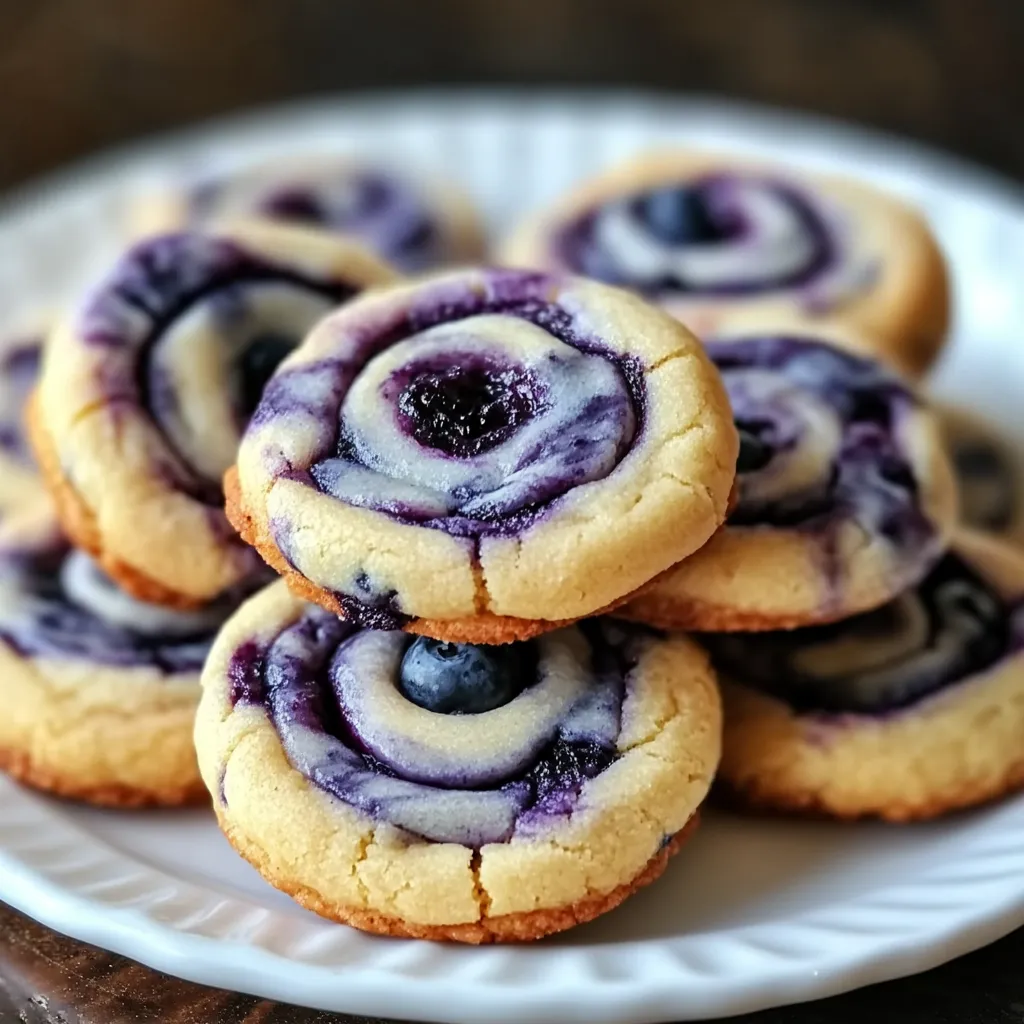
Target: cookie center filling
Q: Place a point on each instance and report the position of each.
(61, 605)
(298, 204)
(257, 364)
(206, 370)
(720, 234)
(755, 448)
(952, 627)
(988, 483)
(455, 743)
(683, 215)
(822, 440)
(466, 410)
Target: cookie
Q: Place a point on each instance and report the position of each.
(146, 389)
(485, 455)
(416, 787)
(989, 469)
(26, 512)
(906, 712)
(413, 224)
(710, 237)
(99, 689)
(846, 496)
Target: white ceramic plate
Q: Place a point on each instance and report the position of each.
(751, 913)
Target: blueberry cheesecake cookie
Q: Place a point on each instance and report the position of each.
(147, 387)
(485, 455)
(905, 712)
(413, 224)
(416, 787)
(26, 511)
(845, 494)
(989, 469)
(709, 237)
(99, 689)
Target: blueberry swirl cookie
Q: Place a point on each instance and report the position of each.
(413, 224)
(418, 787)
(26, 512)
(485, 455)
(712, 237)
(989, 469)
(147, 387)
(99, 689)
(905, 712)
(845, 495)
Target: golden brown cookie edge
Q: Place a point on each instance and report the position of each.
(19, 765)
(483, 628)
(754, 799)
(526, 926)
(79, 523)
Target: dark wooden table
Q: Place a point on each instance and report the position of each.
(47, 979)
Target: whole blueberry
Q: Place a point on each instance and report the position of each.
(678, 216)
(258, 363)
(462, 679)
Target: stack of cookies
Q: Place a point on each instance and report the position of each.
(498, 499)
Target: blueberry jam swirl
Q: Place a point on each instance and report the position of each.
(717, 235)
(58, 604)
(195, 325)
(451, 742)
(821, 441)
(952, 627)
(387, 214)
(20, 360)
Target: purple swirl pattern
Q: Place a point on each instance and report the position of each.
(330, 689)
(951, 628)
(194, 325)
(56, 603)
(392, 216)
(822, 439)
(722, 234)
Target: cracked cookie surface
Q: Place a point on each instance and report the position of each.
(147, 386)
(845, 494)
(357, 770)
(906, 712)
(485, 454)
(712, 237)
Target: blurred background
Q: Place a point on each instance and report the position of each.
(78, 75)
